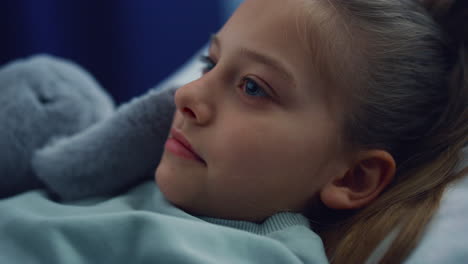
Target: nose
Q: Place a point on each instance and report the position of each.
(194, 105)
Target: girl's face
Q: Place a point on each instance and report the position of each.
(259, 119)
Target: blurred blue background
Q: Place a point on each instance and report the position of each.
(128, 46)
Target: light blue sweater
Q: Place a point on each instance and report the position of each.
(142, 227)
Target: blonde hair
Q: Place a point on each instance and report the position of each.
(409, 97)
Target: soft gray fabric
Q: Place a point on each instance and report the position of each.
(42, 98)
(112, 155)
(59, 128)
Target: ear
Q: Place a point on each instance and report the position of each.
(362, 182)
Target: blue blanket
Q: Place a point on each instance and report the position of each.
(142, 227)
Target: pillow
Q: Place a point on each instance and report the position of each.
(446, 238)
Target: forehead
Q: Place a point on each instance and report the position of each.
(264, 23)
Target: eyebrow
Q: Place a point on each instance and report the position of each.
(260, 58)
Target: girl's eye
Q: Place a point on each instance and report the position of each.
(251, 88)
(208, 64)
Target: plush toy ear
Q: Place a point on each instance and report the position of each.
(113, 154)
(362, 183)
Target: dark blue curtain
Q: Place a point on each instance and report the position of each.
(129, 46)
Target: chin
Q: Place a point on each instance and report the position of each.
(163, 182)
(173, 192)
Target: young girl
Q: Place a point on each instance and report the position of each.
(318, 130)
(352, 113)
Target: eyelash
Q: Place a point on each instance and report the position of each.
(210, 64)
(206, 60)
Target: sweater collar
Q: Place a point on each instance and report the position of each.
(272, 224)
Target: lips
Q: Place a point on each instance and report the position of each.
(180, 146)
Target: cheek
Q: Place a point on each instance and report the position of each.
(240, 148)
(267, 171)
(265, 154)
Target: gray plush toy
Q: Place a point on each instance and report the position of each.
(60, 132)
